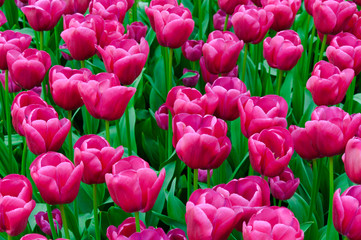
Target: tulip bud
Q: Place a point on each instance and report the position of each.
(3, 19)
(192, 49)
(161, 116)
(202, 175)
(42, 220)
(176, 234)
(190, 81)
(125, 229)
(137, 31)
(219, 19)
(285, 185)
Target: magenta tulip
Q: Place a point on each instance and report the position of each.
(161, 117)
(228, 6)
(176, 234)
(158, 6)
(35, 236)
(192, 49)
(3, 19)
(109, 9)
(12, 87)
(190, 81)
(113, 31)
(16, 186)
(284, 185)
(137, 31)
(202, 175)
(353, 25)
(125, 229)
(351, 159)
(219, 19)
(210, 78)
(42, 220)
(76, 6)
(145, 234)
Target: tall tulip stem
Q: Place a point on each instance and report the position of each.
(41, 39)
(70, 137)
(8, 118)
(200, 20)
(65, 222)
(310, 50)
(51, 221)
(137, 222)
(195, 179)
(225, 23)
(189, 182)
(208, 178)
(314, 188)
(107, 133)
(10, 237)
(279, 81)
(244, 62)
(23, 157)
(134, 11)
(169, 86)
(329, 219)
(95, 210)
(127, 123)
(82, 64)
(323, 47)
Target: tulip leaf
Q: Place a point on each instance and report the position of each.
(175, 207)
(170, 221)
(116, 216)
(305, 226)
(343, 182)
(188, 75)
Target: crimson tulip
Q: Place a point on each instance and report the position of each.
(176, 234)
(137, 31)
(192, 49)
(109, 9)
(284, 186)
(210, 78)
(190, 81)
(228, 6)
(12, 87)
(161, 117)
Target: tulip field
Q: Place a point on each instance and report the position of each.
(180, 119)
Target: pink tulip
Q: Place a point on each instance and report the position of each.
(3, 19)
(158, 6)
(16, 186)
(192, 49)
(97, 156)
(200, 142)
(136, 31)
(126, 229)
(351, 159)
(35, 236)
(203, 175)
(133, 185)
(161, 117)
(258, 113)
(228, 6)
(284, 186)
(176, 234)
(146, 234)
(309, 6)
(12, 87)
(354, 25)
(113, 31)
(76, 6)
(42, 220)
(109, 9)
(190, 81)
(219, 19)
(327, 84)
(210, 78)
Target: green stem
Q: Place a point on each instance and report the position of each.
(8, 118)
(323, 46)
(314, 190)
(107, 134)
(225, 23)
(70, 138)
(82, 64)
(88, 121)
(250, 170)
(189, 182)
(195, 179)
(134, 11)
(41, 34)
(95, 209)
(23, 158)
(210, 16)
(51, 221)
(56, 42)
(65, 222)
(329, 219)
(200, 20)
(118, 131)
(279, 81)
(194, 66)
(244, 62)
(349, 96)
(10, 237)
(169, 86)
(137, 222)
(208, 178)
(127, 123)
(280, 203)
(309, 52)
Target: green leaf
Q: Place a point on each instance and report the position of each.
(175, 207)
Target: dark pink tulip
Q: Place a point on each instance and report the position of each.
(64, 83)
(258, 113)
(351, 159)
(200, 142)
(137, 31)
(173, 26)
(81, 34)
(42, 220)
(76, 6)
(158, 6)
(251, 24)
(309, 6)
(176, 234)
(330, 16)
(285, 185)
(44, 131)
(133, 185)
(354, 25)
(284, 12)
(246, 196)
(228, 6)
(146, 234)
(125, 58)
(17, 186)
(104, 98)
(283, 50)
(326, 134)
(21, 3)
(273, 223)
(190, 81)
(346, 212)
(3, 19)
(125, 229)
(221, 52)
(28, 69)
(345, 52)
(228, 90)
(189, 100)
(161, 116)
(219, 19)
(113, 31)
(192, 49)
(45, 171)
(327, 84)
(109, 9)
(33, 236)
(210, 78)
(97, 156)
(202, 175)
(43, 15)
(10, 40)
(12, 87)
(209, 216)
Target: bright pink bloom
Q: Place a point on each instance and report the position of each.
(210, 78)
(42, 220)
(161, 116)
(219, 19)
(109, 9)
(12, 87)
(158, 6)
(3, 19)
(125, 229)
(285, 185)
(113, 31)
(176, 234)
(137, 31)
(351, 159)
(228, 6)
(192, 49)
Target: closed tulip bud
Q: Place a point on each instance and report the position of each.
(137, 31)
(125, 229)
(81, 34)
(161, 116)
(283, 50)
(42, 220)
(158, 6)
(219, 19)
(43, 15)
(192, 49)
(221, 52)
(196, 147)
(113, 31)
(209, 216)
(109, 9)
(326, 134)
(327, 84)
(202, 175)
(45, 171)
(351, 159)
(190, 81)
(3, 19)
(97, 156)
(28, 69)
(210, 78)
(251, 24)
(228, 6)
(133, 185)
(285, 185)
(331, 16)
(12, 87)
(176, 234)
(258, 113)
(125, 58)
(104, 98)
(273, 223)
(346, 212)
(284, 12)
(228, 90)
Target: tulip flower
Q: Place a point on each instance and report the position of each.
(113, 31)
(190, 81)
(285, 185)
(209, 216)
(12, 88)
(228, 6)
(353, 25)
(346, 212)
(65, 55)
(161, 117)
(210, 78)
(35, 236)
(104, 98)
(44, 131)
(192, 49)
(76, 6)
(228, 90)
(309, 6)
(176, 234)
(219, 19)
(327, 84)
(158, 5)
(331, 16)
(109, 9)
(351, 159)
(196, 147)
(45, 171)
(125, 229)
(258, 113)
(125, 58)
(202, 175)
(345, 52)
(326, 134)
(3, 19)
(42, 220)
(133, 185)
(16, 186)
(146, 234)
(283, 50)
(43, 15)
(284, 12)
(81, 34)
(251, 24)
(273, 223)
(10, 40)
(221, 52)
(64, 83)
(97, 156)
(137, 31)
